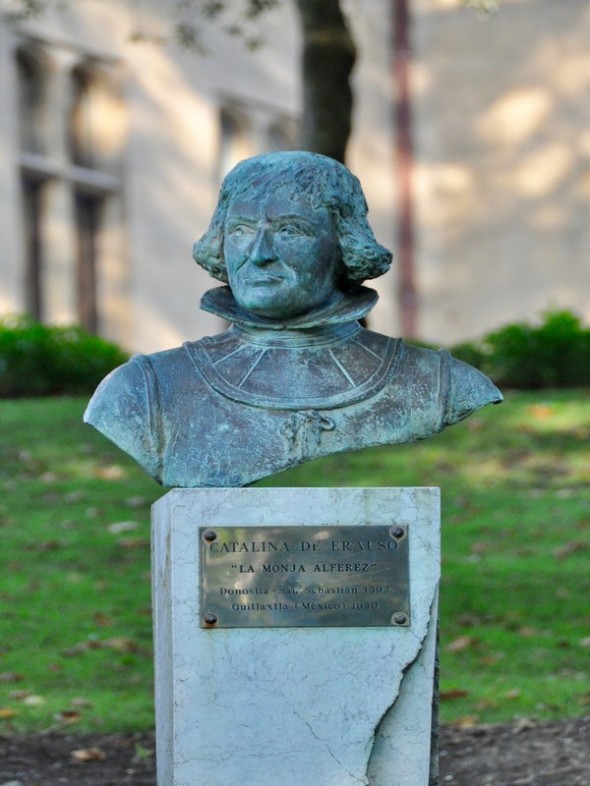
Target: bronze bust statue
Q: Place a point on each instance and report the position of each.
(295, 377)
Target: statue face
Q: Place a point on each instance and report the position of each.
(281, 254)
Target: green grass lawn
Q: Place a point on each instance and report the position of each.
(75, 626)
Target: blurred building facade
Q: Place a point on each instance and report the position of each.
(113, 151)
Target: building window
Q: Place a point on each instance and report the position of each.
(235, 139)
(32, 195)
(281, 134)
(70, 175)
(83, 119)
(93, 146)
(248, 129)
(32, 67)
(96, 120)
(88, 218)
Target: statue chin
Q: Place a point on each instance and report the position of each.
(273, 308)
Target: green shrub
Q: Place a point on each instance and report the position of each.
(469, 352)
(555, 353)
(42, 360)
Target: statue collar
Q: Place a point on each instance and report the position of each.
(320, 361)
(350, 308)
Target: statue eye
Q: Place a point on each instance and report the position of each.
(241, 230)
(290, 230)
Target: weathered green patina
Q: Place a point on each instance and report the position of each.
(296, 377)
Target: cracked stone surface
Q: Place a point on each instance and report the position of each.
(302, 706)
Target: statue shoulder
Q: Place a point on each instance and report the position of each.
(125, 406)
(455, 389)
(465, 388)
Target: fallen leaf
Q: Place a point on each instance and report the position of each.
(74, 496)
(460, 644)
(485, 704)
(33, 700)
(585, 642)
(540, 411)
(121, 644)
(45, 545)
(112, 472)
(122, 526)
(19, 695)
(74, 578)
(569, 548)
(528, 632)
(523, 724)
(80, 702)
(515, 693)
(82, 646)
(133, 543)
(137, 502)
(102, 619)
(453, 693)
(11, 676)
(67, 716)
(6, 712)
(88, 754)
(466, 722)
(489, 660)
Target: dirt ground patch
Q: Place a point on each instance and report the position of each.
(524, 753)
(519, 754)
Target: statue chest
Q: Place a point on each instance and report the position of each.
(224, 443)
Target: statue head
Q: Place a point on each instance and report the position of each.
(289, 233)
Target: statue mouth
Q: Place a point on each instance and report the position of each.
(262, 280)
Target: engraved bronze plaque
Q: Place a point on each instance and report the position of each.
(289, 577)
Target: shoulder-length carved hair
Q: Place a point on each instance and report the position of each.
(319, 179)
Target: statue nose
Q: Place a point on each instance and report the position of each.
(262, 248)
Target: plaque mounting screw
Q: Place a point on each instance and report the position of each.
(210, 535)
(210, 618)
(399, 618)
(398, 532)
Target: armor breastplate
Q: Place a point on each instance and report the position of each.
(235, 408)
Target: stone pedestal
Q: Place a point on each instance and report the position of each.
(307, 706)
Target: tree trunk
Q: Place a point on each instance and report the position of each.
(329, 54)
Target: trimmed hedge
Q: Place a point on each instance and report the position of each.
(555, 353)
(43, 360)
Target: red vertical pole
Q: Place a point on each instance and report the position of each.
(406, 293)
